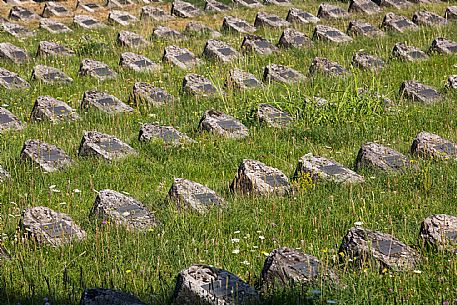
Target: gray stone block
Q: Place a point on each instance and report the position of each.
(87, 22)
(88, 7)
(11, 80)
(242, 80)
(366, 61)
(198, 85)
(273, 117)
(419, 92)
(377, 156)
(277, 2)
(362, 28)
(96, 69)
(103, 296)
(104, 146)
(327, 33)
(151, 95)
(248, 3)
(184, 9)
(215, 6)
(199, 29)
(291, 38)
(257, 44)
(163, 32)
(408, 53)
(282, 74)
(296, 15)
(327, 67)
(180, 57)
(451, 13)
(13, 53)
(50, 75)
(47, 48)
(9, 121)
(121, 18)
(152, 13)
(237, 25)
(47, 156)
(220, 50)
(428, 18)
(263, 19)
(440, 231)
(452, 81)
(104, 102)
(330, 11)
(131, 39)
(444, 46)
(367, 7)
(52, 9)
(222, 124)
(433, 146)
(54, 27)
(398, 23)
(19, 13)
(138, 63)
(398, 4)
(47, 108)
(165, 134)
(17, 30)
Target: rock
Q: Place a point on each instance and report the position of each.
(286, 267)
(119, 3)
(96, 69)
(103, 296)
(198, 85)
(273, 116)
(212, 5)
(383, 158)
(87, 22)
(123, 210)
(152, 13)
(138, 63)
(49, 157)
(428, 18)
(431, 145)
(49, 227)
(203, 284)
(54, 27)
(366, 61)
(166, 134)
(222, 124)
(398, 23)
(291, 38)
(3, 253)
(451, 13)
(47, 108)
(50, 75)
(184, 9)
(19, 13)
(440, 231)
(327, 67)
(322, 168)
(10, 80)
(47, 48)
(104, 102)
(419, 92)
(242, 80)
(151, 95)
(316, 101)
(398, 4)
(377, 249)
(367, 7)
(121, 17)
(130, 39)
(361, 28)
(248, 3)
(452, 81)
(237, 25)
(330, 11)
(108, 147)
(88, 7)
(444, 46)
(189, 194)
(199, 29)
(408, 53)
(13, 53)
(220, 50)
(180, 57)
(263, 19)
(163, 32)
(17, 30)
(9, 121)
(253, 43)
(296, 15)
(327, 33)
(277, 2)
(254, 177)
(52, 9)
(282, 74)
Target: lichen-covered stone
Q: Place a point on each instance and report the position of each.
(237, 25)
(19, 13)
(9, 121)
(88, 7)
(330, 11)
(444, 46)
(49, 157)
(184, 9)
(180, 57)
(11, 80)
(398, 23)
(96, 69)
(103, 296)
(104, 102)
(50, 75)
(54, 27)
(327, 67)
(87, 22)
(52, 9)
(216, 6)
(47, 48)
(367, 7)
(138, 63)
(282, 74)
(273, 116)
(362, 28)
(131, 39)
(13, 53)
(223, 124)
(198, 85)
(366, 61)
(451, 13)
(150, 94)
(408, 53)
(242, 80)
(383, 158)
(47, 108)
(199, 29)
(152, 13)
(254, 43)
(291, 38)
(440, 231)
(108, 147)
(166, 134)
(220, 50)
(17, 30)
(121, 17)
(398, 4)
(263, 19)
(296, 15)
(419, 92)
(431, 145)
(164, 32)
(327, 33)
(248, 3)
(428, 18)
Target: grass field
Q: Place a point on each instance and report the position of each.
(314, 219)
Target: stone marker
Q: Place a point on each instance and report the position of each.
(397, 23)
(104, 101)
(151, 95)
(361, 28)
(237, 25)
(49, 157)
(327, 67)
(452, 81)
(322, 168)
(440, 231)
(380, 157)
(96, 69)
(47, 48)
(9, 121)
(282, 74)
(248, 3)
(122, 210)
(130, 39)
(242, 80)
(54, 27)
(52, 9)
(47, 108)
(89, 7)
(11, 80)
(212, 5)
(108, 147)
(163, 32)
(222, 124)
(50, 75)
(19, 13)
(263, 19)
(291, 38)
(87, 22)
(428, 18)
(119, 3)
(408, 53)
(286, 267)
(273, 116)
(419, 92)
(377, 249)
(166, 134)
(203, 284)
(367, 7)
(189, 194)
(277, 2)
(451, 13)
(152, 13)
(180, 57)
(444, 46)
(431, 145)
(198, 85)
(330, 11)
(327, 33)
(100, 296)
(398, 4)
(254, 177)
(121, 17)
(220, 50)
(296, 15)
(184, 9)
(254, 43)
(366, 61)
(199, 29)
(138, 63)
(13, 53)
(17, 30)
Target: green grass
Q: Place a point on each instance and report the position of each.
(314, 220)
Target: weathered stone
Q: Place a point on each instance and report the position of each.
(367, 7)
(408, 53)
(263, 19)
(220, 50)
(199, 29)
(19, 13)
(13, 53)
(327, 33)
(193, 195)
(46, 48)
(254, 43)
(104, 102)
(428, 18)
(164, 32)
(153, 13)
(52, 9)
(296, 15)
(361, 28)
(104, 146)
(130, 39)
(380, 157)
(366, 61)
(330, 11)
(212, 5)
(103, 296)
(138, 63)
(184, 9)
(282, 74)
(203, 284)
(322, 168)
(378, 250)
(285, 267)
(119, 3)
(254, 177)
(123, 210)
(398, 23)
(47, 108)
(452, 81)
(440, 231)
(242, 80)
(54, 27)
(96, 69)
(273, 116)
(180, 57)
(9, 121)
(327, 67)
(419, 92)
(47, 156)
(444, 46)
(151, 95)
(50, 75)
(87, 22)
(121, 17)
(17, 30)
(11, 80)
(291, 38)
(433, 146)
(248, 3)
(451, 13)
(222, 124)
(398, 4)
(237, 25)
(198, 85)
(166, 134)
(88, 7)
(277, 2)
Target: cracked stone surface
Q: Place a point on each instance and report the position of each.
(282, 74)
(165, 134)
(138, 63)
(50, 75)
(151, 95)
(184, 9)
(419, 92)
(52, 9)
(273, 116)
(242, 80)
(408, 53)
(263, 19)
(330, 11)
(211, 5)
(198, 85)
(103, 296)
(222, 124)
(11, 80)
(13, 53)
(48, 48)
(131, 39)
(96, 69)
(220, 50)
(440, 231)
(398, 23)
(180, 57)
(327, 67)
(366, 61)
(152, 13)
(433, 146)
(47, 156)
(104, 101)
(291, 38)
(254, 43)
(367, 7)
(444, 46)
(248, 3)
(361, 28)
(237, 25)
(104, 146)
(17, 30)
(163, 32)
(121, 17)
(9, 121)
(428, 18)
(87, 22)
(47, 108)
(199, 29)
(377, 156)
(296, 15)
(327, 33)
(88, 7)
(54, 27)
(19, 13)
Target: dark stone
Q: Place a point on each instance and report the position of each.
(103, 296)
(105, 146)
(361, 28)
(49, 157)
(273, 116)
(398, 4)
(440, 231)
(151, 95)
(431, 145)
(282, 74)
(380, 157)
(326, 33)
(298, 16)
(237, 25)
(419, 92)
(222, 124)
(366, 61)
(408, 53)
(327, 67)
(398, 23)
